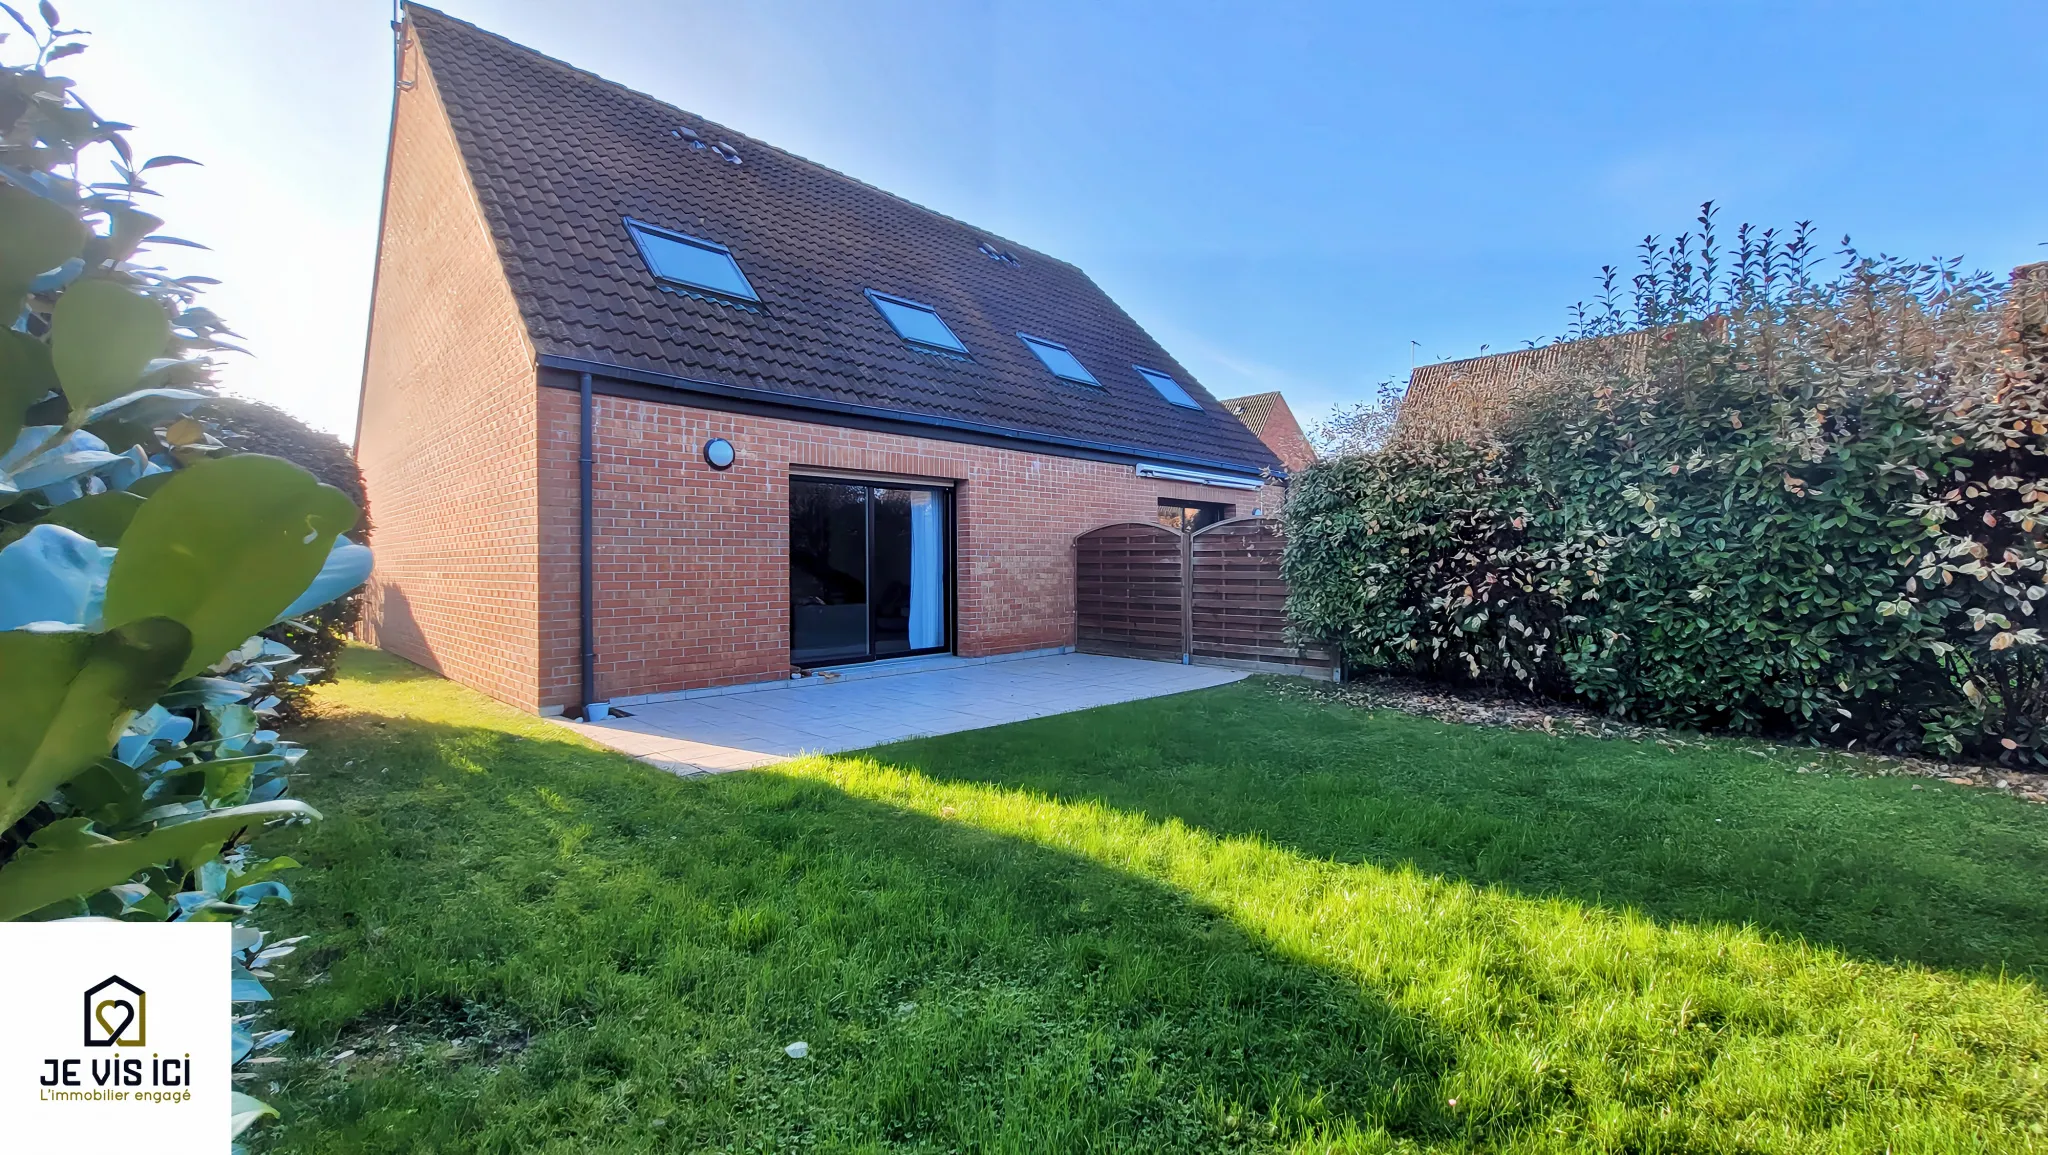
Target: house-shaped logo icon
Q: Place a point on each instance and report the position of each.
(116, 1014)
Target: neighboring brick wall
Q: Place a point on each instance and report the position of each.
(1282, 434)
(1269, 418)
(693, 564)
(446, 437)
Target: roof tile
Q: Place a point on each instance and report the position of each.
(561, 157)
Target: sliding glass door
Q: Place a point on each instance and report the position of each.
(870, 570)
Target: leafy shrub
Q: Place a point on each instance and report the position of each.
(319, 636)
(252, 427)
(1755, 497)
(1360, 427)
(140, 561)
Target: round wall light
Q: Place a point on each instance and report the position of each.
(719, 453)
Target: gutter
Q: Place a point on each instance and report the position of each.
(585, 595)
(913, 424)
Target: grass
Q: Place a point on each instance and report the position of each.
(1240, 919)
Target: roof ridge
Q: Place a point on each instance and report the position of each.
(1449, 362)
(1559, 345)
(751, 140)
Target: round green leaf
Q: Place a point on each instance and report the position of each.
(247, 1110)
(102, 336)
(79, 862)
(127, 225)
(103, 517)
(224, 546)
(26, 377)
(36, 235)
(69, 694)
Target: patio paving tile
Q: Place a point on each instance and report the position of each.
(743, 731)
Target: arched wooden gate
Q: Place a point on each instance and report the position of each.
(1212, 597)
(1130, 591)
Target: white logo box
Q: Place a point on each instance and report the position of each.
(116, 1037)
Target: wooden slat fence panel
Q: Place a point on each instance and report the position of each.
(1129, 590)
(1238, 600)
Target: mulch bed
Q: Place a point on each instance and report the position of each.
(1472, 708)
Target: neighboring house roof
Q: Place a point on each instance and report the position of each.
(1452, 400)
(1268, 416)
(1253, 410)
(560, 159)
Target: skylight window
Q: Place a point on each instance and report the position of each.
(690, 262)
(1168, 388)
(1060, 360)
(915, 323)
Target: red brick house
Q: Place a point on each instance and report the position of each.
(1267, 416)
(651, 407)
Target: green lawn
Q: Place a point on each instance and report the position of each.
(1230, 920)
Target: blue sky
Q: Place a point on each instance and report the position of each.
(1287, 195)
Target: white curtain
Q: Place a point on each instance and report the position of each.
(927, 571)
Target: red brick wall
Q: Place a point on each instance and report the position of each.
(471, 469)
(1282, 434)
(446, 439)
(693, 566)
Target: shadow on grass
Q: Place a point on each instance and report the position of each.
(376, 668)
(661, 941)
(526, 944)
(1879, 868)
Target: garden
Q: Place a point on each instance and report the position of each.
(1249, 918)
(1777, 516)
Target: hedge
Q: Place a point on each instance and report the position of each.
(1756, 498)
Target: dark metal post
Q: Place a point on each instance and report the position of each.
(585, 591)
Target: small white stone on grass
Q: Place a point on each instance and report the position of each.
(797, 1050)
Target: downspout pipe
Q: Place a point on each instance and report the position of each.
(585, 592)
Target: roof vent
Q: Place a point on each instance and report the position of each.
(687, 136)
(995, 254)
(727, 151)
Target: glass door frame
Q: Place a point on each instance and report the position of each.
(949, 553)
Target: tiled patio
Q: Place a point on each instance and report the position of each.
(738, 731)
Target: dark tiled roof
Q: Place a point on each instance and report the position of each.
(1456, 400)
(560, 158)
(1252, 410)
